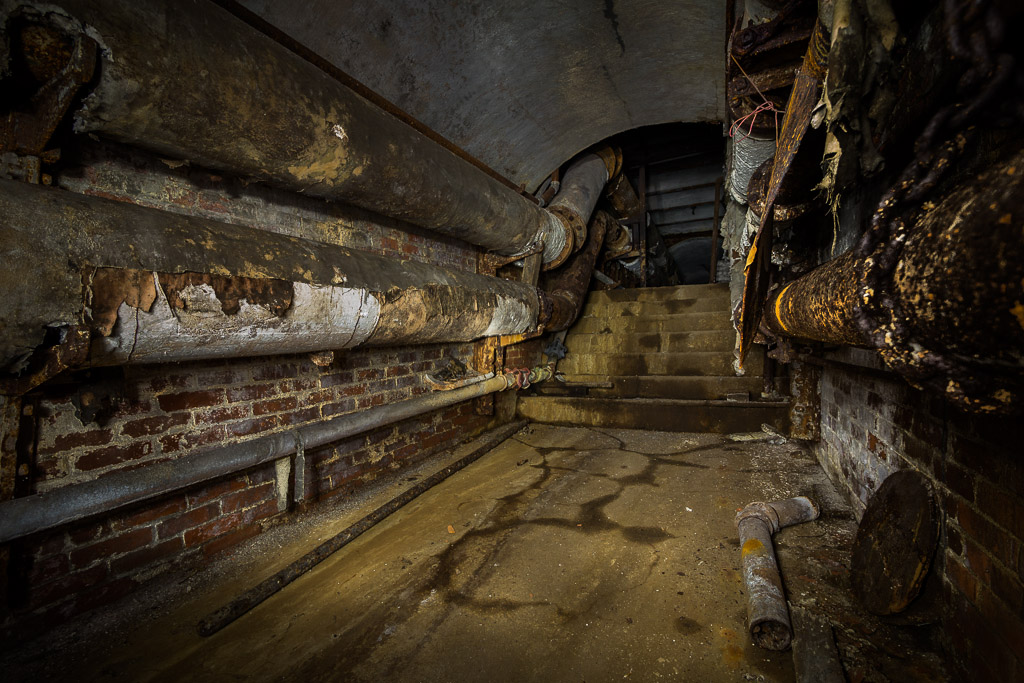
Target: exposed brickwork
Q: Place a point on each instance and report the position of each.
(873, 425)
(158, 413)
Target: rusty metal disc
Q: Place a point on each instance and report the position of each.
(895, 543)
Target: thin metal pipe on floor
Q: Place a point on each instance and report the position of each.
(256, 595)
(767, 611)
(31, 514)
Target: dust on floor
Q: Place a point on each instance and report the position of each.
(564, 554)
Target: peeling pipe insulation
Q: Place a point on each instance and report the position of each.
(155, 286)
(767, 611)
(308, 133)
(31, 514)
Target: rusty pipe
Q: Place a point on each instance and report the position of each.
(567, 290)
(767, 611)
(155, 286)
(188, 80)
(956, 291)
(32, 514)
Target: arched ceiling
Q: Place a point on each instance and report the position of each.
(521, 85)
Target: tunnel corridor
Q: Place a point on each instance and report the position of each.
(457, 341)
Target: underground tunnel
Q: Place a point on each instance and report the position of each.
(480, 341)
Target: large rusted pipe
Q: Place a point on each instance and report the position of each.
(958, 284)
(767, 611)
(188, 80)
(819, 305)
(155, 286)
(567, 290)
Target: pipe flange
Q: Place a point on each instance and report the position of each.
(761, 511)
(612, 158)
(565, 217)
(573, 223)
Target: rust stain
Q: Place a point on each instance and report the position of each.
(273, 294)
(751, 546)
(113, 286)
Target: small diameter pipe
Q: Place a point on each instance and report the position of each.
(259, 593)
(767, 611)
(31, 514)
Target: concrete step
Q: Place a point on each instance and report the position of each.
(714, 340)
(641, 309)
(683, 322)
(660, 293)
(718, 417)
(661, 386)
(687, 363)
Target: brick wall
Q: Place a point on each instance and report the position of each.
(92, 423)
(874, 424)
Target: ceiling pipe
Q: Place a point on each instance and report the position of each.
(153, 286)
(188, 80)
(75, 502)
(953, 294)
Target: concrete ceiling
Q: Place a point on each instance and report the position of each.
(521, 85)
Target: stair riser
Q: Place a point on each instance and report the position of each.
(622, 365)
(693, 322)
(680, 387)
(641, 309)
(660, 293)
(673, 342)
(610, 413)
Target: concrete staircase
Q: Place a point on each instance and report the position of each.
(656, 358)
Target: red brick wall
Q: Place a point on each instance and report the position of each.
(874, 424)
(149, 414)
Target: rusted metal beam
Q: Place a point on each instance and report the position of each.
(798, 117)
(154, 286)
(188, 80)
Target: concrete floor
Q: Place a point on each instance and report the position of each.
(565, 554)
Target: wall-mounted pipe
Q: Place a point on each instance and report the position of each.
(767, 611)
(31, 514)
(188, 80)
(156, 286)
(568, 288)
(954, 315)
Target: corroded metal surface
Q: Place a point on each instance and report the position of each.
(798, 117)
(54, 243)
(767, 611)
(895, 543)
(819, 305)
(805, 407)
(593, 69)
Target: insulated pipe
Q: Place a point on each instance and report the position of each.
(567, 290)
(580, 190)
(188, 80)
(156, 286)
(767, 611)
(31, 514)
